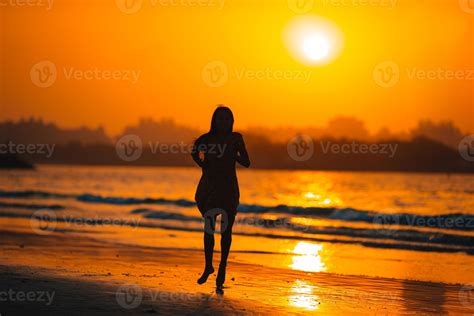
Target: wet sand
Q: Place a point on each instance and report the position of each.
(85, 276)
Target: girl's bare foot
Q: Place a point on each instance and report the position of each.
(207, 272)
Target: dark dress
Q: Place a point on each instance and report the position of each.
(218, 187)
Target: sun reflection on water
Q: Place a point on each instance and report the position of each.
(303, 296)
(323, 199)
(307, 257)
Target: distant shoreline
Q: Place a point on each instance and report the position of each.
(13, 162)
(418, 155)
(469, 172)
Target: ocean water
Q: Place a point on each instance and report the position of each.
(401, 225)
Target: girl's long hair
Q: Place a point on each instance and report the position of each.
(213, 129)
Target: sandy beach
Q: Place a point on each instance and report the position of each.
(79, 275)
(75, 244)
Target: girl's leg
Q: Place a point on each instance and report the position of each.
(226, 241)
(209, 228)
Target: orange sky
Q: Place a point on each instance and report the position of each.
(167, 47)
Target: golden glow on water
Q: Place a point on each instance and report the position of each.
(303, 296)
(318, 194)
(321, 200)
(307, 257)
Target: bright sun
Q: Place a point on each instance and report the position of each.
(313, 40)
(316, 47)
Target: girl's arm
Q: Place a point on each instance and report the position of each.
(242, 154)
(195, 153)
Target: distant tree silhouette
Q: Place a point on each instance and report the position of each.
(34, 131)
(164, 131)
(347, 127)
(445, 132)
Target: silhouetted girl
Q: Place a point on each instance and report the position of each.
(216, 153)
